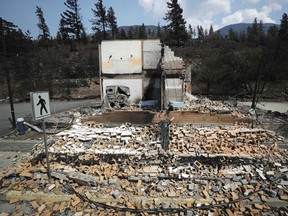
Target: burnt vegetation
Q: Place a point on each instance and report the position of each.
(250, 62)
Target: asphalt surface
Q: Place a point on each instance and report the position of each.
(24, 109)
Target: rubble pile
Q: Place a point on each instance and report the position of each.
(236, 140)
(205, 105)
(98, 169)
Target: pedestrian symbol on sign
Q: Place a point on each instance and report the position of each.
(40, 105)
(42, 102)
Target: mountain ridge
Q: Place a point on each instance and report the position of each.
(237, 27)
(240, 27)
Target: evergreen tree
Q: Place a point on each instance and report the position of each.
(232, 35)
(142, 32)
(261, 33)
(176, 26)
(62, 34)
(283, 31)
(123, 34)
(16, 42)
(130, 32)
(71, 20)
(272, 33)
(200, 32)
(205, 32)
(100, 22)
(190, 32)
(112, 22)
(253, 33)
(136, 32)
(211, 30)
(14, 46)
(45, 33)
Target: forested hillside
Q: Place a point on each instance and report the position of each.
(242, 63)
(250, 61)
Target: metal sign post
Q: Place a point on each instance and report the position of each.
(41, 110)
(46, 150)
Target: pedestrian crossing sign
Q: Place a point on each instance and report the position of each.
(40, 105)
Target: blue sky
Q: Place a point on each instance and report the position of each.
(217, 13)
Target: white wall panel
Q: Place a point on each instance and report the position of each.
(151, 54)
(121, 57)
(173, 83)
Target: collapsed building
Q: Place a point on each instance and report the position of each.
(147, 69)
(202, 158)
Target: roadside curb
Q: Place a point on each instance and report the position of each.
(17, 145)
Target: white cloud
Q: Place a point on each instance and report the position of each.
(204, 12)
(247, 16)
(275, 6)
(157, 7)
(253, 1)
(266, 10)
(211, 8)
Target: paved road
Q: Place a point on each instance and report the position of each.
(273, 106)
(25, 109)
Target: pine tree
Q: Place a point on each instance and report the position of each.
(233, 35)
(112, 22)
(211, 30)
(176, 26)
(100, 22)
(200, 32)
(71, 20)
(16, 41)
(45, 33)
(62, 34)
(123, 34)
(253, 33)
(261, 32)
(283, 31)
(272, 33)
(131, 32)
(142, 32)
(190, 32)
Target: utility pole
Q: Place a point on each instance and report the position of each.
(7, 75)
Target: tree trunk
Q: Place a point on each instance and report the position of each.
(208, 88)
(263, 87)
(247, 83)
(253, 105)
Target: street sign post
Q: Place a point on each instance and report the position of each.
(40, 102)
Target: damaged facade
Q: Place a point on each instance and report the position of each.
(148, 68)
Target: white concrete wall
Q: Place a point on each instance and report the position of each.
(173, 90)
(173, 83)
(121, 57)
(135, 86)
(151, 54)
